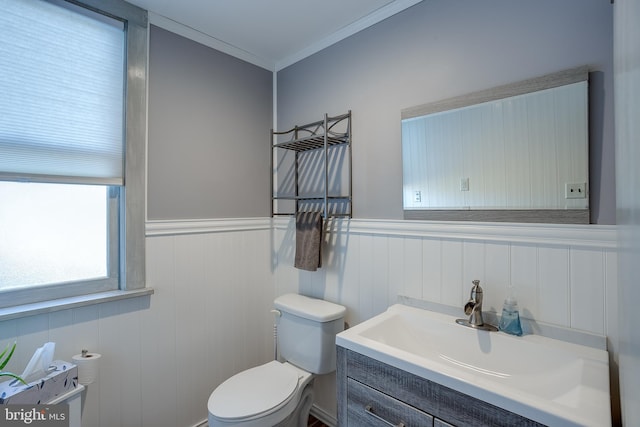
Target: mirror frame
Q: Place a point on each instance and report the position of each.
(560, 216)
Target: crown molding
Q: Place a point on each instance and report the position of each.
(207, 40)
(351, 29)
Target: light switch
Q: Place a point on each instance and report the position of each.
(464, 184)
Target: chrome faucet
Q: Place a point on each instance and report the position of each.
(473, 309)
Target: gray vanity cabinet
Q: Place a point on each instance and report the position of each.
(374, 394)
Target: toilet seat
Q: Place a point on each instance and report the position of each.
(254, 393)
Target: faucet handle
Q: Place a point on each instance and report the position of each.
(468, 308)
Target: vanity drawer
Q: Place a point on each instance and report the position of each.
(423, 396)
(369, 408)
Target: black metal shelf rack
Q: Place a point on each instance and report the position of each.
(318, 139)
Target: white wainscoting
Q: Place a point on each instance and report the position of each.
(215, 281)
(162, 355)
(564, 275)
(210, 314)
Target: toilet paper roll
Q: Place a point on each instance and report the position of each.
(87, 367)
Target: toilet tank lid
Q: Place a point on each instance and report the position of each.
(309, 308)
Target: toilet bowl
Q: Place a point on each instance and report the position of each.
(267, 395)
(281, 393)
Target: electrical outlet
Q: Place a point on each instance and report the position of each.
(575, 190)
(417, 196)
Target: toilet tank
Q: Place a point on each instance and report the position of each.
(307, 329)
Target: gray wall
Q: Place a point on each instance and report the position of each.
(209, 121)
(442, 48)
(627, 39)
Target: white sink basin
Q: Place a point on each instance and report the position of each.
(547, 380)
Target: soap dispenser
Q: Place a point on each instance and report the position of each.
(510, 320)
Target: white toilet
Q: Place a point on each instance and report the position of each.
(281, 393)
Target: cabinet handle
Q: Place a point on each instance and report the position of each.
(369, 410)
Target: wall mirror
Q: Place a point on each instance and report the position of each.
(516, 153)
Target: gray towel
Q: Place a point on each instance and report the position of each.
(308, 241)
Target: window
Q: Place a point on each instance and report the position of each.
(52, 233)
(73, 108)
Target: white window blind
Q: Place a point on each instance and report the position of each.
(61, 86)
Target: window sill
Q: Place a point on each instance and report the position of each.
(25, 310)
